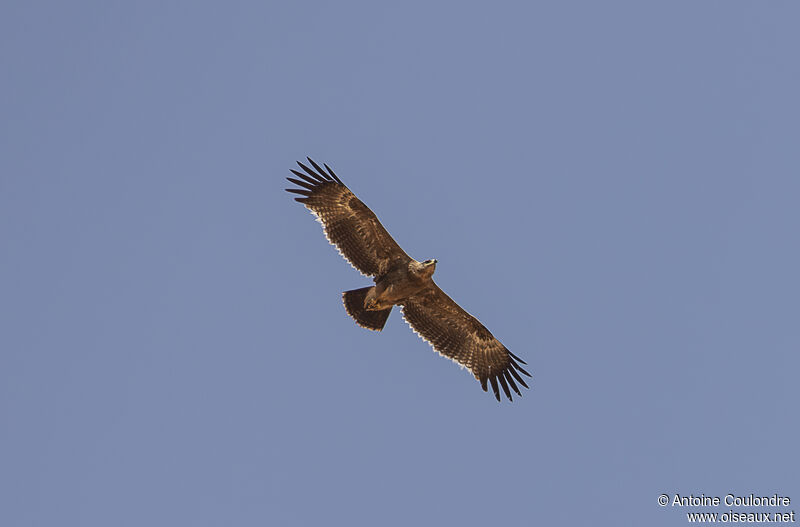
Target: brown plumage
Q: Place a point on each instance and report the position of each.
(400, 280)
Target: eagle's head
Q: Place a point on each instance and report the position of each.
(426, 268)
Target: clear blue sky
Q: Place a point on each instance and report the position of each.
(611, 187)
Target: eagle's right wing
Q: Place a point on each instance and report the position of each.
(459, 336)
(347, 222)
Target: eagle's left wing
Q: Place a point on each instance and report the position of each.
(461, 337)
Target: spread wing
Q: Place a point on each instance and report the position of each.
(461, 337)
(347, 222)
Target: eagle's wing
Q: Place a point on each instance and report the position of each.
(461, 337)
(348, 223)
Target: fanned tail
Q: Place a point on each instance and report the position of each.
(354, 304)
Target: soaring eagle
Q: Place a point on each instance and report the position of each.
(401, 281)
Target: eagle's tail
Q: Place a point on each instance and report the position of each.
(354, 304)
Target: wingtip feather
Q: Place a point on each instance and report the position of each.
(301, 183)
(516, 358)
(312, 173)
(523, 371)
(511, 382)
(517, 377)
(495, 389)
(298, 191)
(304, 177)
(331, 172)
(319, 169)
(504, 384)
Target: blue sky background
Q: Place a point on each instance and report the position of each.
(611, 187)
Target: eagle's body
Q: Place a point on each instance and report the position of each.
(402, 281)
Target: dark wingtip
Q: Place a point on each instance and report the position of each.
(517, 377)
(301, 183)
(319, 169)
(512, 360)
(321, 175)
(511, 382)
(312, 173)
(304, 177)
(517, 358)
(496, 391)
(332, 173)
(504, 384)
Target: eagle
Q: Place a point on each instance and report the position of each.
(402, 281)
